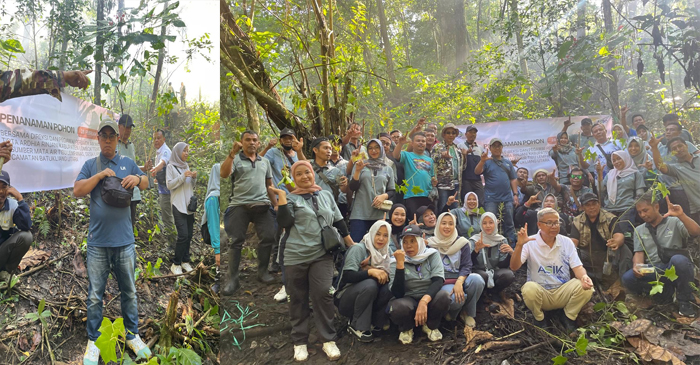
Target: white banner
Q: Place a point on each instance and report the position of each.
(530, 140)
(51, 139)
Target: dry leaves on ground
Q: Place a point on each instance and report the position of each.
(32, 258)
(650, 352)
(78, 263)
(475, 337)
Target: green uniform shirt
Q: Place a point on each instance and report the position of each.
(626, 194)
(304, 241)
(129, 151)
(417, 277)
(250, 180)
(362, 204)
(688, 174)
(671, 233)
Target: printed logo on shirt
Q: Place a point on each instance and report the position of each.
(123, 168)
(551, 270)
(422, 164)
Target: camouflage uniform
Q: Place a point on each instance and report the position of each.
(24, 82)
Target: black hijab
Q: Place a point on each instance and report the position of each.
(396, 229)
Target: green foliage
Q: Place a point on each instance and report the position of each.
(41, 220)
(40, 315)
(111, 334)
(176, 356)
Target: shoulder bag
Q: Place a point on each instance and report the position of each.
(112, 191)
(330, 238)
(665, 254)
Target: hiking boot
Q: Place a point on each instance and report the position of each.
(281, 296)
(4, 276)
(300, 353)
(365, 336)
(92, 354)
(263, 262)
(186, 267)
(139, 348)
(686, 309)
(274, 267)
(176, 269)
(331, 350)
(232, 283)
(569, 324)
(406, 337)
(433, 335)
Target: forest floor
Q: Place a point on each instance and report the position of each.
(618, 331)
(58, 276)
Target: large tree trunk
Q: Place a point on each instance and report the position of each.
(460, 34)
(612, 82)
(159, 68)
(384, 31)
(253, 120)
(581, 20)
(515, 18)
(99, 51)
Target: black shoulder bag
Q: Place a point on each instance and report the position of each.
(192, 205)
(330, 238)
(319, 172)
(112, 191)
(608, 159)
(665, 254)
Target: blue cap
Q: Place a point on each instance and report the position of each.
(5, 177)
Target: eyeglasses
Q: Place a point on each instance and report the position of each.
(108, 137)
(577, 177)
(551, 224)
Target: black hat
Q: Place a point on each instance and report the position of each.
(5, 177)
(287, 132)
(587, 197)
(420, 211)
(126, 120)
(472, 128)
(318, 141)
(585, 121)
(411, 230)
(643, 126)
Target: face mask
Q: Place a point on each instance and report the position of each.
(287, 148)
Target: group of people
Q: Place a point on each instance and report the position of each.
(428, 229)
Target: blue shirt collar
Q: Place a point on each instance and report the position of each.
(106, 161)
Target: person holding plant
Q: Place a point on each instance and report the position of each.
(491, 256)
(181, 181)
(564, 156)
(686, 170)
(467, 216)
(621, 187)
(662, 243)
(418, 168)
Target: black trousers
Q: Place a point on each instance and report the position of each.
(185, 228)
(365, 304)
(13, 249)
(502, 278)
(412, 204)
(402, 311)
(311, 282)
(236, 220)
(134, 203)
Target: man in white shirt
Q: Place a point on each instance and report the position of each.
(166, 214)
(550, 257)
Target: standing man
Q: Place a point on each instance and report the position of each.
(328, 177)
(603, 149)
(110, 241)
(126, 148)
(166, 211)
(418, 167)
(449, 161)
(586, 133)
(501, 186)
(183, 94)
(351, 141)
(282, 158)
(524, 186)
(16, 220)
(471, 181)
(251, 174)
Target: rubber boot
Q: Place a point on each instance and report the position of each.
(263, 261)
(232, 282)
(215, 287)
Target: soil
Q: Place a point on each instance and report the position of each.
(65, 292)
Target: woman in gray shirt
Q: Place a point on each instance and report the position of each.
(308, 267)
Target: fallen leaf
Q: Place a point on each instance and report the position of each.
(36, 340)
(475, 337)
(33, 257)
(78, 263)
(615, 290)
(505, 309)
(635, 328)
(650, 352)
(23, 343)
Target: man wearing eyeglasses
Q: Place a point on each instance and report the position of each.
(15, 222)
(572, 193)
(110, 241)
(449, 160)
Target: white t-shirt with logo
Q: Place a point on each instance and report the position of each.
(550, 267)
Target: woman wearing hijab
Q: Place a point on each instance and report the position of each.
(363, 292)
(210, 218)
(464, 287)
(308, 267)
(397, 220)
(416, 283)
(467, 216)
(636, 147)
(426, 219)
(527, 214)
(491, 256)
(373, 183)
(180, 181)
(564, 155)
(621, 187)
(620, 137)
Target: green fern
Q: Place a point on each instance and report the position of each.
(42, 220)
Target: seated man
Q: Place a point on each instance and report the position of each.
(15, 221)
(550, 257)
(663, 242)
(601, 242)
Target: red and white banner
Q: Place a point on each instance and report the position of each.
(51, 139)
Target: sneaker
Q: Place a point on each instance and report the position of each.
(186, 267)
(406, 337)
(300, 353)
(139, 348)
(468, 320)
(365, 336)
(92, 354)
(176, 269)
(385, 327)
(569, 325)
(331, 350)
(686, 309)
(281, 295)
(433, 335)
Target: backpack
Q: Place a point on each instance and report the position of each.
(112, 191)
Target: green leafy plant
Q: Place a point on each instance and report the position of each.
(40, 315)
(42, 221)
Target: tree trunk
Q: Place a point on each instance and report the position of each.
(581, 20)
(99, 51)
(324, 41)
(159, 69)
(612, 82)
(253, 121)
(383, 29)
(515, 18)
(460, 34)
(167, 330)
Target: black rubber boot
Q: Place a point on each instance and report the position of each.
(232, 282)
(263, 261)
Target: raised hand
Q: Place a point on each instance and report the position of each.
(532, 200)
(568, 123)
(237, 146)
(479, 245)
(551, 177)
(414, 221)
(446, 154)
(653, 142)
(523, 238)
(452, 199)
(555, 148)
(648, 165)
(624, 110)
(674, 210)
(360, 164)
(599, 169)
(515, 161)
(400, 256)
(485, 156)
(77, 78)
(272, 143)
(579, 150)
(297, 144)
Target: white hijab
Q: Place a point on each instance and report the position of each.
(447, 245)
(492, 239)
(629, 169)
(465, 209)
(423, 252)
(379, 258)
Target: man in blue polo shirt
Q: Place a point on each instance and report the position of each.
(110, 241)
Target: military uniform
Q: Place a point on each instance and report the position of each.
(24, 82)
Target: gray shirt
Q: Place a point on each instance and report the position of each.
(304, 241)
(564, 162)
(688, 175)
(671, 233)
(129, 151)
(332, 173)
(626, 193)
(249, 180)
(370, 187)
(278, 161)
(417, 277)
(584, 140)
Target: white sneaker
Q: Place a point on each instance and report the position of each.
(331, 350)
(281, 295)
(433, 335)
(186, 267)
(468, 320)
(300, 353)
(139, 348)
(176, 269)
(92, 354)
(406, 337)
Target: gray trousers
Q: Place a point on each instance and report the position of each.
(13, 249)
(311, 280)
(365, 304)
(166, 215)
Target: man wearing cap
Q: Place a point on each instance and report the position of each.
(15, 222)
(283, 157)
(110, 240)
(501, 186)
(471, 182)
(126, 148)
(449, 162)
(601, 240)
(586, 134)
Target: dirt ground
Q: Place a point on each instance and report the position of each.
(64, 288)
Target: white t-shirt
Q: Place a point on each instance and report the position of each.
(550, 267)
